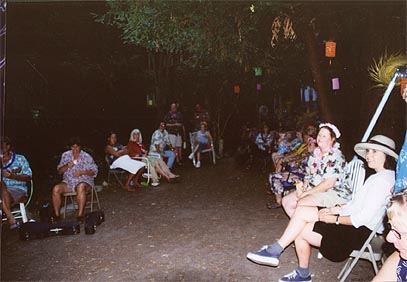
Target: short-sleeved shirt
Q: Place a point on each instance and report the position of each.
(85, 162)
(17, 161)
(330, 165)
(116, 148)
(161, 139)
(172, 118)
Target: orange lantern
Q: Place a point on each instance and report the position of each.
(403, 84)
(330, 49)
(236, 89)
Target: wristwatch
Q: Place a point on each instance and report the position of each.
(337, 220)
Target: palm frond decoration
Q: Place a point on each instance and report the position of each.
(382, 70)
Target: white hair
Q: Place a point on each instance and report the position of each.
(136, 131)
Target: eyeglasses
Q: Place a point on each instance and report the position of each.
(396, 233)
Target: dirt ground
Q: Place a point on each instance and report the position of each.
(197, 230)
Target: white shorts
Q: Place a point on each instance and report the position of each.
(176, 140)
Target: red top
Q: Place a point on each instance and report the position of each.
(135, 149)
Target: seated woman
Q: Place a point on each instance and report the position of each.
(119, 158)
(203, 136)
(338, 230)
(137, 149)
(395, 266)
(264, 142)
(287, 142)
(324, 175)
(299, 162)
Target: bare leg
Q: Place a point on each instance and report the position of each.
(57, 191)
(178, 151)
(198, 156)
(279, 198)
(301, 217)
(7, 202)
(137, 178)
(290, 203)
(303, 244)
(81, 190)
(129, 178)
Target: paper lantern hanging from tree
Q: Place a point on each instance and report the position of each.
(330, 49)
(236, 89)
(335, 83)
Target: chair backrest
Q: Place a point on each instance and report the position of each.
(355, 174)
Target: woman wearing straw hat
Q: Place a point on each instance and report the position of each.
(340, 229)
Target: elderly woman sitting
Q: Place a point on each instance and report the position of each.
(137, 149)
(338, 230)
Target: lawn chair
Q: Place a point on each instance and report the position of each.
(210, 149)
(371, 251)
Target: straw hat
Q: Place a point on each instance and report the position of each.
(378, 142)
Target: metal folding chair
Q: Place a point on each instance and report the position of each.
(94, 200)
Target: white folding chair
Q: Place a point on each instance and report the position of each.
(371, 251)
(210, 150)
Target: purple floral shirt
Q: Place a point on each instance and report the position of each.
(85, 162)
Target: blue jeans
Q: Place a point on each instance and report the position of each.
(171, 158)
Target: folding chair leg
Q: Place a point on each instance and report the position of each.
(23, 213)
(345, 267)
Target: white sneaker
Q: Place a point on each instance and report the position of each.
(198, 164)
(155, 184)
(191, 156)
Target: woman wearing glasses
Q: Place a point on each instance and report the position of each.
(395, 267)
(339, 230)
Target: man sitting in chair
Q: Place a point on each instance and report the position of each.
(79, 170)
(159, 142)
(16, 172)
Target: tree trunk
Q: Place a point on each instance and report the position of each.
(325, 112)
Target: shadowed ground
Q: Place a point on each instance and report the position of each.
(197, 230)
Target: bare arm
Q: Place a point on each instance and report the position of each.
(109, 150)
(388, 270)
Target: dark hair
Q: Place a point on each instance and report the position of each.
(110, 133)
(331, 132)
(310, 131)
(7, 140)
(74, 141)
(389, 163)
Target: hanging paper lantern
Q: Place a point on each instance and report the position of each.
(236, 89)
(150, 100)
(403, 84)
(330, 49)
(258, 86)
(258, 71)
(335, 83)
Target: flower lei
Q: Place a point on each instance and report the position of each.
(318, 157)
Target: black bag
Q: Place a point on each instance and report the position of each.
(39, 230)
(92, 220)
(46, 213)
(33, 230)
(64, 228)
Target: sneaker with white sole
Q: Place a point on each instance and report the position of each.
(198, 164)
(295, 277)
(263, 257)
(155, 184)
(191, 156)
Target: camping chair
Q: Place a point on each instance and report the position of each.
(371, 251)
(117, 173)
(94, 200)
(22, 204)
(210, 149)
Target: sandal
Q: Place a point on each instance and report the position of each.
(273, 205)
(14, 226)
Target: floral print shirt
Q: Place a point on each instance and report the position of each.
(85, 162)
(161, 139)
(17, 162)
(322, 166)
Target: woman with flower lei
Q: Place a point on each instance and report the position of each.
(325, 175)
